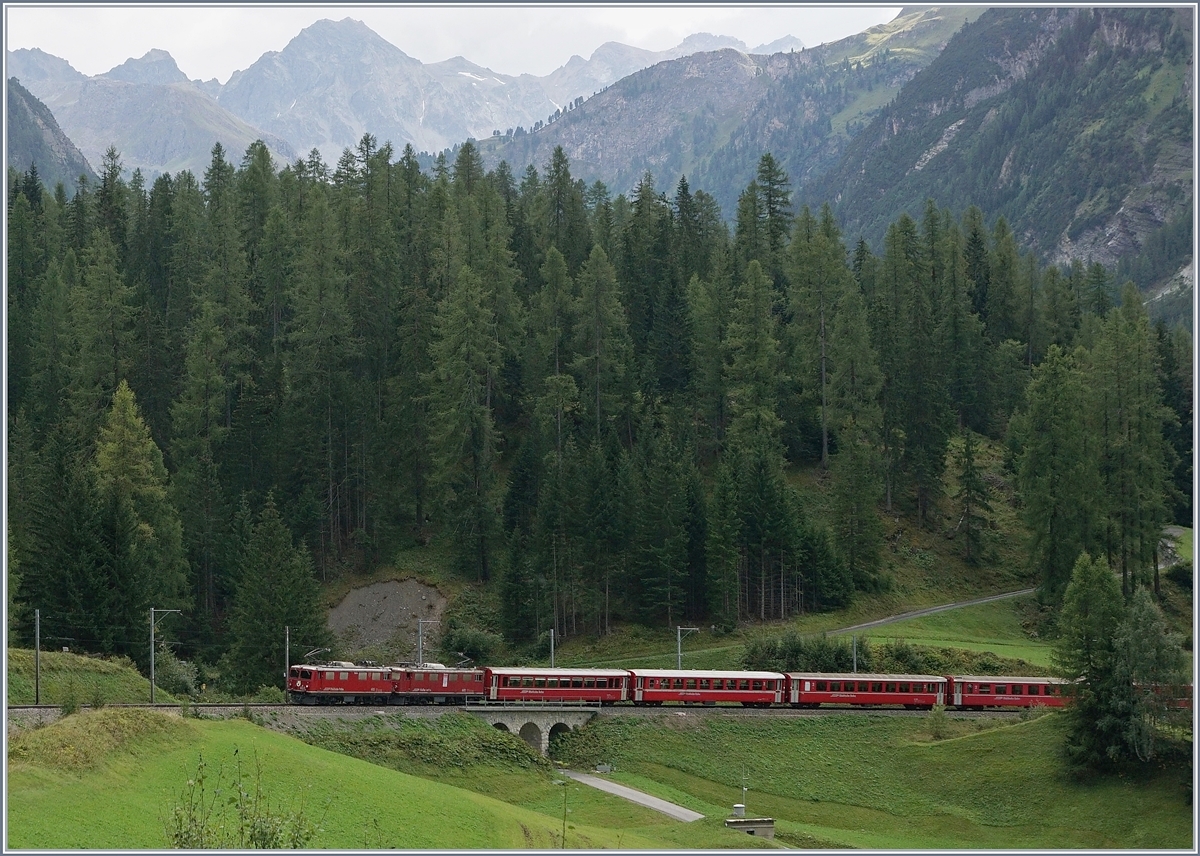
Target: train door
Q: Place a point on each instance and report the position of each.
(941, 693)
(492, 688)
(637, 693)
(958, 693)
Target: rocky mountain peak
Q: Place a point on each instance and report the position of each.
(156, 67)
(701, 42)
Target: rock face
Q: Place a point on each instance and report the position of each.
(157, 66)
(146, 108)
(34, 137)
(383, 616)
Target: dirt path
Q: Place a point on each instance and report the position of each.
(916, 613)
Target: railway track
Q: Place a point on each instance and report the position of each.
(426, 711)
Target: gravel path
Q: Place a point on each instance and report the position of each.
(879, 622)
(668, 808)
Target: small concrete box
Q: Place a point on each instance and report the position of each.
(762, 827)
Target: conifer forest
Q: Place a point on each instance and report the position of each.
(225, 390)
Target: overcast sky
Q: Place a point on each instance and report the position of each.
(214, 41)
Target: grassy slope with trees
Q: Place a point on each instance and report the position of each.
(900, 783)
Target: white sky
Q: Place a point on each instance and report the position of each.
(216, 40)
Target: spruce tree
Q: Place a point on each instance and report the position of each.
(277, 600)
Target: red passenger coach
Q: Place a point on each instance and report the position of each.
(433, 683)
(977, 692)
(912, 691)
(339, 682)
(697, 686)
(595, 686)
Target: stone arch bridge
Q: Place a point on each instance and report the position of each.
(534, 724)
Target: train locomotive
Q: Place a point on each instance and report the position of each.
(343, 682)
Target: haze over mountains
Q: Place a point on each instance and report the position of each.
(333, 82)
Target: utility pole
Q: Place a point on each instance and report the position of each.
(552, 649)
(287, 655)
(37, 656)
(854, 645)
(679, 643)
(152, 623)
(421, 622)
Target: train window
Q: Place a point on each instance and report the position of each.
(1001, 689)
(821, 685)
(375, 676)
(454, 676)
(705, 684)
(835, 686)
(527, 682)
(690, 683)
(718, 684)
(552, 682)
(479, 677)
(362, 676)
(601, 683)
(891, 688)
(539, 683)
(345, 676)
(589, 683)
(1016, 689)
(756, 685)
(862, 687)
(1033, 689)
(904, 688)
(576, 683)
(876, 688)
(305, 674)
(984, 689)
(743, 684)
(678, 684)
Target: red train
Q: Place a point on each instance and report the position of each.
(433, 683)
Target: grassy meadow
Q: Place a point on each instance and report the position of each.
(884, 782)
(109, 779)
(87, 679)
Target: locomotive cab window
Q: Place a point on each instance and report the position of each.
(305, 674)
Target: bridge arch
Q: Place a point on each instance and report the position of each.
(500, 726)
(532, 735)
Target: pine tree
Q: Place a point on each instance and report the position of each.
(277, 599)
(140, 528)
(971, 501)
(465, 358)
(753, 374)
(1057, 472)
(602, 343)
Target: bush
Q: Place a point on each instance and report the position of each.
(471, 642)
(1181, 574)
(70, 702)
(98, 699)
(937, 722)
(793, 652)
(172, 675)
(269, 695)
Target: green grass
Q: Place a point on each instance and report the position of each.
(116, 681)
(119, 795)
(882, 782)
(1184, 546)
(994, 627)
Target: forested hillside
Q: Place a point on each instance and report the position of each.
(226, 389)
(1075, 125)
(709, 116)
(35, 141)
